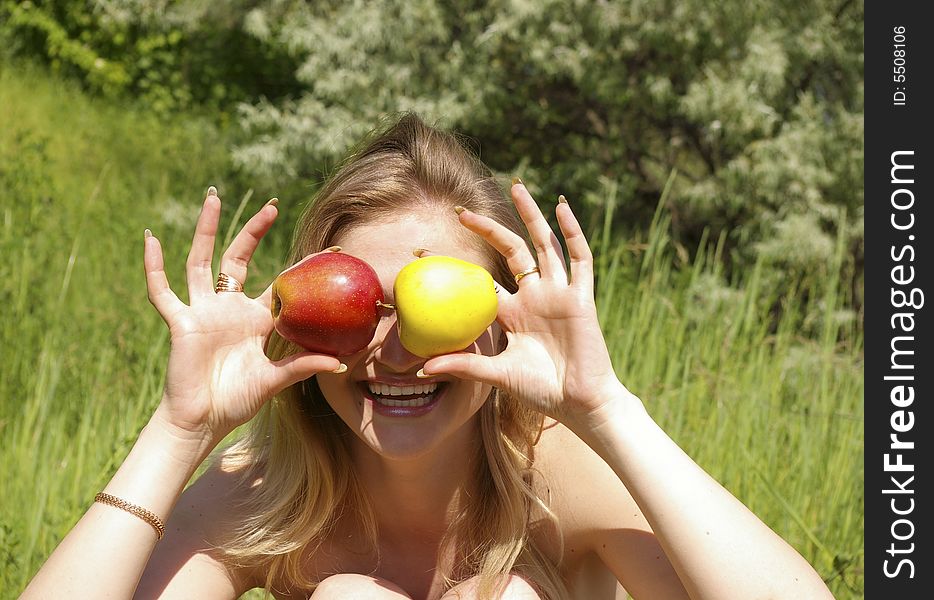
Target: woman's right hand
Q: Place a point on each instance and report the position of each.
(218, 374)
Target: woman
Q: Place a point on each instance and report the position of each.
(533, 473)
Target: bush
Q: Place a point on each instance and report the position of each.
(173, 56)
(756, 107)
(749, 113)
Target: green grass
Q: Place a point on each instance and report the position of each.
(772, 412)
(763, 389)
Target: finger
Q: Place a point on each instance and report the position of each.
(546, 244)
(157, 284)
(508, 243)
(578, 249)
(298, 367)
(466, 365)
(198, 267)
(236, 259)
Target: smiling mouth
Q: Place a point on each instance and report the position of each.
(404, 397)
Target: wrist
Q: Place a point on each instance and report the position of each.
(183, 445)
(159, 466)
(616, 410)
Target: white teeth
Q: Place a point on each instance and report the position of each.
(415, 402)
(405, 390)
(383, 394)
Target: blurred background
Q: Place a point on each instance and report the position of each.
(714, 151)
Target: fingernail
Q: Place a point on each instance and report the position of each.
(562, 199)
(212, 191)
(421, 374)
(273, 202)
(333, 249)
(147, 234)
(340, 369)
(420, 251)
(516, 180)
(459, 209)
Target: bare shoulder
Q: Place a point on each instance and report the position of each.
(189, 561)
(586, 494)
(603, 528)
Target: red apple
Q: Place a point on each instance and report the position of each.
(327, 303)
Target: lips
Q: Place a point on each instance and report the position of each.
(402, 400)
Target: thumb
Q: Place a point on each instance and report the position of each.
(467, 365)
(298, 367)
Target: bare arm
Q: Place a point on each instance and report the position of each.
(718, 547)
(106, 551)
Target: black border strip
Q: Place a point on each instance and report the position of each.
(899, 225)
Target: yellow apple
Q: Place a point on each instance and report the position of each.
(442, 304)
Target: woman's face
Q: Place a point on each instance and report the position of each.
(379, 397)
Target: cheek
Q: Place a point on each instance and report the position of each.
(337, 389)
(327, 385)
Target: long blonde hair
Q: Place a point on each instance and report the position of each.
(294, 457)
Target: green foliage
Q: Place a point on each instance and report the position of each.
(756, 105)
(171, 55)
(730, 304)
(64, 52)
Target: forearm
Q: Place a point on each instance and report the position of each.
(718, 547)
(105, 553)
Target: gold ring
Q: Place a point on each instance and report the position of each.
(226, 283)
(526, 272)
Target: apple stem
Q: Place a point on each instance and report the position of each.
(382, 304)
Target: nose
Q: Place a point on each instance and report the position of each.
(390, 352)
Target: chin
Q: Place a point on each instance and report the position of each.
(402, 421)
(397, 445)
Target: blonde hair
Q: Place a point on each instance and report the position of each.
(294, 457)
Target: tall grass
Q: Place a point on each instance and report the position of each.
(761, 385)
(82, 353)
(773, 414)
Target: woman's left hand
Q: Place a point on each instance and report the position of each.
(556, 360)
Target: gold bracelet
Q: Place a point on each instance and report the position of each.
(139, 511)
